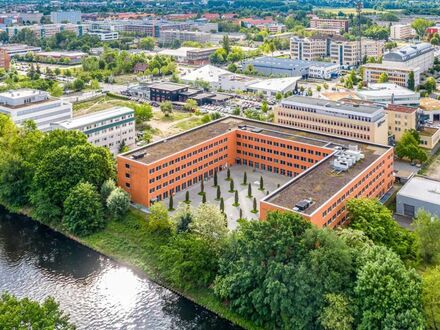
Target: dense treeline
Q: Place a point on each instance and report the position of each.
(57, 174)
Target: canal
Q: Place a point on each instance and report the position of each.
(95, 291)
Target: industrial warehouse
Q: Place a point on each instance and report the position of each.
(323, 172)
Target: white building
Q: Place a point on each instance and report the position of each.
(411, 56)
(270, 87)
(109, 128)
(65, 16)
(389, 93)
(39, 106)
(104, 35)
(401, 32)
(208, 73)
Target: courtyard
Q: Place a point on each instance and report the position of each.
(271, 182)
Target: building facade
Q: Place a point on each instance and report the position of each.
(70, 16)
(310, 49)
(111, 128)
(401, 32)
(39, 106)
(159, 170)
(398, 75)
(419, 56)
(327, 23)
(5, 59)
(400, 120)
(353, 121)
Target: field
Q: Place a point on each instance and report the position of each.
(352, 10)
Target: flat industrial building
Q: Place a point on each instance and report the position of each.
(419, 193)
(323, 171)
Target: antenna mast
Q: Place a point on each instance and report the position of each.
(359, 7)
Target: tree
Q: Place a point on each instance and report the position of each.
(143, 112)
(337, 314)
(222, 205)
(167, 108)
(27, 314)
(244, 178)
(430, 297)
(83, 213)
(278, 96)
(411, 81)
(158, 220)
(147, 43)
(420, 25)
(231, 186)
(254, 206)
(56, 90)
(187, 201)
(209, 222)
(249, 190)
(376, 221)
(264, 273)
(228, 174)
(409, 147)
(383, 78)
(236, 203)
(219, 194)
(182, 217)
(106, 189)
(171, 203)
(203, 197)
(388, 295)
(435, 40)
(215, 179)
(118, 203)
(261, 183)
(264, 106)
(430, 85)
(189, 261)
(78, 84)
(190, 105)
(94, 84)
(63, 168)
(427, 232)
(226, 44)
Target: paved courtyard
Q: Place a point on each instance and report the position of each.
(271, 182)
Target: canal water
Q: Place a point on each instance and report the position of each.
(95, 291)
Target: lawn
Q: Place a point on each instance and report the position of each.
(189, 123)
(98, 104)
(130, 242)
(352, 10)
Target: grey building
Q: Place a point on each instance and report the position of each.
(419, 193)
(284, 67)
(70, 16)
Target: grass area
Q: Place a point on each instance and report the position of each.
(189, 123)
(125, 79)
(98, 104)
(431, 165)
(352, 10)
(130, 242)
(176, 115)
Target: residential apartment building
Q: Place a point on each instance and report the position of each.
(104, 35)
(343, 119)
(400, 119)
(325, 171)
(48, 30)
(411, 56)
(111, 128)
(327, 23)
(401, 32)
(36, 105)
(398, 75)
(70, 16)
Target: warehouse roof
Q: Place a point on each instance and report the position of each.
(422, 188)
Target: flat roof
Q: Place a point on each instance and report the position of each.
(80, 121)
(320, 182)
(171, 87)
(408, 52)
(65, 53)
(356, 108)
(386, 90)
(400, 108)
(276, 84)
(429, 104)
(422, 188)
(286, 63)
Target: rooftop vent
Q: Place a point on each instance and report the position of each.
(138, 155)
(344, 159)
(303, 205)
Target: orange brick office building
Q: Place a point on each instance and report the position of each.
(325, 171)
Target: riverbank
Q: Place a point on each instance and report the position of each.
(129, 242)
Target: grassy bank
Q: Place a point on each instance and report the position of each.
(131, 243)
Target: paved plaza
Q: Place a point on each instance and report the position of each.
(271, 182)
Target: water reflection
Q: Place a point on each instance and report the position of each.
(95, 291)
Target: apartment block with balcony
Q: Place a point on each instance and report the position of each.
(343, 119)
(111, 128)
(36, 105)
(401, 32)
(325, 171)
(327, 23)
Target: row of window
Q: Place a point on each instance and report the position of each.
(324, 121)
(191, 154)
(325, 129)
(276, 160)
